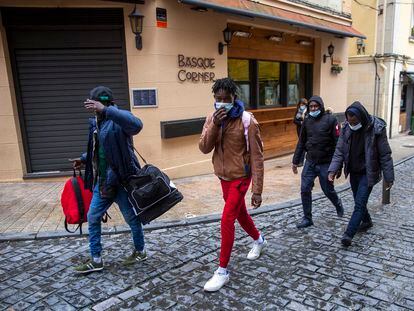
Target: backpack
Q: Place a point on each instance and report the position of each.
(246, 118)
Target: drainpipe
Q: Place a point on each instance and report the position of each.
(392, 97)
(376, 87)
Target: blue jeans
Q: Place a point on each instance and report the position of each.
(309, 173)
(361, 192)
(98, 208)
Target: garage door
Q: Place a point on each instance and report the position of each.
(54, 69)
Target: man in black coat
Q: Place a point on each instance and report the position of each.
(318, 137)
(364, 150)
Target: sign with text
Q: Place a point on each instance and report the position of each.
(161, 15)
(196, 69)
(144, 98)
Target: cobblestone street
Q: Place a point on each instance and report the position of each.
(300, 270)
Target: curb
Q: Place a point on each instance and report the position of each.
(205, 219)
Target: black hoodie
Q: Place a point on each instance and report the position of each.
(318, 136)
(377, 150)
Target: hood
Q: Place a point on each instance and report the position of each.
(359, 110)
(319, 100)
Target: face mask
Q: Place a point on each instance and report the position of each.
(302, 108)
(226, 106)
(355, 127)
(314, 113)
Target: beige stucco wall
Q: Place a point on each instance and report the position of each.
(364, 19)
(402, 30)
(333, 87)
(11, 155)
(189, 33)
(361, 81)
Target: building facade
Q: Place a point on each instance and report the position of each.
(54, 52)
(381, 68)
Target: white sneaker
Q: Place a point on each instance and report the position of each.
(216, 282)
(257, 250)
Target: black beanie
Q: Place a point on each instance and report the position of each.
(102, 94)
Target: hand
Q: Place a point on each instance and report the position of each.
(331, 176)
(388, 185)
(338, 174)
(77, 164)
(256, 200)
(94, 105)
(219, 116)
(294, 169)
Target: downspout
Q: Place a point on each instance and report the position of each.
(376, 87)
(392, 97)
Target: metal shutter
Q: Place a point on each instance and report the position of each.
(55, 70)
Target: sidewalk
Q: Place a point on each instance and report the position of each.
(34, 207)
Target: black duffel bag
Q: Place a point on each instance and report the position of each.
(151, 192)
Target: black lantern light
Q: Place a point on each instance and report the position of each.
(227, 35)
(331, 50)
(136, 20)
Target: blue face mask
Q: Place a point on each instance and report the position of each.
(314, 114)
(226, 106)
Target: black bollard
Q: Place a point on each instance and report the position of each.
(386, 193)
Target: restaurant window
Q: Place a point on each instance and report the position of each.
(270, 84)
(239, 71)
(296, 83)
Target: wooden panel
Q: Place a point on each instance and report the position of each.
(277, 130)
(259, 47)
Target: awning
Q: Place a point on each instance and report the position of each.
(252, 9)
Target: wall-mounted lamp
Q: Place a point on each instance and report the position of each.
(278, 38)
(136, 20)
(360, 46)
(331, 50)
(227, 35)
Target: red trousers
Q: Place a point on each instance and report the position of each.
(235, 208)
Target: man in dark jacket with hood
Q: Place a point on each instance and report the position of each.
(364, 150)
(318, 137)
(110, 159)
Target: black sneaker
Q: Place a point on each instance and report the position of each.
(89, 267)
(340, 209)
(346, 240)
(364, 226)
(304, 223)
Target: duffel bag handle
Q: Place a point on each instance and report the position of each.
(140, 155)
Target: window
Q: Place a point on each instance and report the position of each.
(296, 85)
(269, 84)
(239, 71)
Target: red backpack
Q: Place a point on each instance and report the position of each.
(75, 201)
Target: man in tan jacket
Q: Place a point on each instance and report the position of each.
(234, 136)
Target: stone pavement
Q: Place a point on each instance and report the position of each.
(33, 208)
(300, 270)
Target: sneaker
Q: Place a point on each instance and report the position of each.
(346, 240)
(257, 250)
(340, 209)
(364, 226)
(136, 256)
(304, 223)
(88, 267)
(216, 282)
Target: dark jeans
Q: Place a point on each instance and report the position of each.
(309, 173)
(361, 192)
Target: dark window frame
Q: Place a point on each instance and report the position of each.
(284, 83)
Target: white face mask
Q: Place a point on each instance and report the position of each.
(355, 127)
(226, 106)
